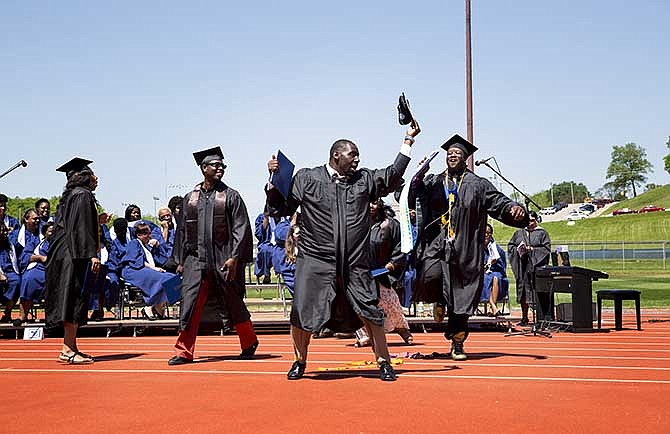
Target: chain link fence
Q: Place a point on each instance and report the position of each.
(617, 254)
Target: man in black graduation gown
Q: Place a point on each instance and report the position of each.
(528, 249)
(212, 246)
(454, 207)
(333, 285)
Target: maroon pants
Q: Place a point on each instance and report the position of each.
(185, 346)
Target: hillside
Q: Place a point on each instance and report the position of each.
(632, 227)
(659, 196)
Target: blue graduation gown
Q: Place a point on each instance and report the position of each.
(149, 281)
(25, 251)
(32, 280)
(11, 291)
(497, 270)
(279, 251)
(265, 248)
(12, 223)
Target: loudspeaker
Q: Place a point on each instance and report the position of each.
(564, 312)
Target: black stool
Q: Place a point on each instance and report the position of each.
(618, 295)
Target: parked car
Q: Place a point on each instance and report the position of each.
(560, 205)
(601, 202)
(624, 211)
(587, 208)
(576, 215)
(548, 211)
(650, 208)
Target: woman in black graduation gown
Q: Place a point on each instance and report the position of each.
(75, 245)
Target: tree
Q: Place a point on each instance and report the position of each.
(666, 159)
(629, 166)
(611, 191)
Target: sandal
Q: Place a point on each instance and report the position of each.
(84, 359)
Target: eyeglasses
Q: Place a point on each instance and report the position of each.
(165, 217)
(217, 165)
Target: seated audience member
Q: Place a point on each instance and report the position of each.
(385, 253)
(164, 252)
(10, 222)
(264, 229)
(108, 293)
(27, 238)
(496, 285)
(10, 279)
(32, 279)
(140, 270)
(43, 208)
(116, 252)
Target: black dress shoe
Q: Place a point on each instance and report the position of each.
(297, 371)
(386, 372)
(146, 316)
(177, 360)
(248, 353)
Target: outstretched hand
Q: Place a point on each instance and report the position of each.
(518, 213)
(273, 164)
(413, 129)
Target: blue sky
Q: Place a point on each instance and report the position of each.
(138, 86)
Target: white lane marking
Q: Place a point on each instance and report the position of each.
(348, 373)
(405, 362)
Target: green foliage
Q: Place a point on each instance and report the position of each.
(629, 167)
(562, 192)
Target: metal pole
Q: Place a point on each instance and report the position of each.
(552, 194)
(468, 79)
(663, 247)
(572, 191)
(623, 255)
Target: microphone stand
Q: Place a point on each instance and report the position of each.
(534, 329)
(20, 163)
(528, 200)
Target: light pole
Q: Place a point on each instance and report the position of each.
(552, 193)
(156, 199)
(572, 191)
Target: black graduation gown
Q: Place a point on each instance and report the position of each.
(524, 267)
(453, 272)
(73, 244)
(228, 296)
(333, 286)
(385, 248)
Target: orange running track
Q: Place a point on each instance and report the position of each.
(617, 382)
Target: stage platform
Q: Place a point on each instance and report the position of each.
(264, 322)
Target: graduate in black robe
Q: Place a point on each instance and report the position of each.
(333, 285)
(73, 247)
(454, 207)
(528, 249)
(213, 245)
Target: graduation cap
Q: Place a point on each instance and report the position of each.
(75, 165)
(459, 142)
(404, 114)
(211, 154)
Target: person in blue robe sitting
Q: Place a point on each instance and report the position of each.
(140, 270)
(496, 284)
(33, 277)
(43, 208)
(163, 253)
(264, 230)
(27, 238)
(10, 222)
(10, 279)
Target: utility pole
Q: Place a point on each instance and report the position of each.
(468, 80)
(572, 191)
(552, 193)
